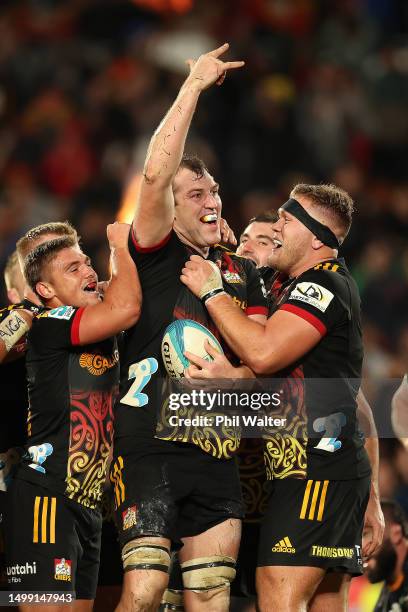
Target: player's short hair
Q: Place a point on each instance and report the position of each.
(30, 239)
(333, 201)
(393, 513)
(268, 216)
(42, 255)
(10, 270)
(193, 163)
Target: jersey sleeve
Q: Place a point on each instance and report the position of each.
(57, 328)
(256, 300)
(317, 299)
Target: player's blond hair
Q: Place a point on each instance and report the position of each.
(11, 270)
(35, 236)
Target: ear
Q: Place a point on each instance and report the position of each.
(396, 535)
(14, 296)
(44, 290)
(316, 243)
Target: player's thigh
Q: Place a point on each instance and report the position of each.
(222, 539)
(332, 593)
(143, 499)
(286, 588)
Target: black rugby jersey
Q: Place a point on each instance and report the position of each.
(71, 390)
(394, 597)
(166, 299)
(322, 438)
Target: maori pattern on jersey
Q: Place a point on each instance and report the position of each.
(91, 434)
(252, 477)
(221, 442)
(285, 451)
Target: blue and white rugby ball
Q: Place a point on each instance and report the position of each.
(185, 335)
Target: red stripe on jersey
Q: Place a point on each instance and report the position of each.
(155, 247)
(307, 316)
(75, 326)
(254, 310)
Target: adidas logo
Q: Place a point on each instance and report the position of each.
(284, 546)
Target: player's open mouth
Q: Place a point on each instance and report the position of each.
(277, 243)
(91, 287)
(210, 219)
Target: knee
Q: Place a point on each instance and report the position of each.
(207, 580)
(145, 566)
(143, 554)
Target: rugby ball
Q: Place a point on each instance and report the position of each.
(185, 335)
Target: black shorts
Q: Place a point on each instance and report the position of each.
(314, 523)
(3, 578)
(171, 489)
(52, 543)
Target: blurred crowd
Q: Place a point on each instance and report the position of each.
(323, 97)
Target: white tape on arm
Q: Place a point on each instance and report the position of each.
(12, 328)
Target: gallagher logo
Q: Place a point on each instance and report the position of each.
(98, 364)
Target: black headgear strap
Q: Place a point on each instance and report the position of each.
(321, 231)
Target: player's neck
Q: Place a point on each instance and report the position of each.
(203, 251)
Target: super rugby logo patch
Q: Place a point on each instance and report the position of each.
(62, 312)
(313, 294)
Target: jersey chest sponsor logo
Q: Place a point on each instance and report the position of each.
(98, 364)
(313, 294)
(284, 546)
(62, 569)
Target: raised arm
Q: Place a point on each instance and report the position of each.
(122, 301)
(154, 212)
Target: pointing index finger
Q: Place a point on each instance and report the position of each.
(232, 65)
(219, 51)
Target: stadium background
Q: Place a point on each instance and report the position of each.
(323, 97)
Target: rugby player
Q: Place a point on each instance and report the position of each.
(257, 244)
(53, 520)
(176, 486)
(390, 563)
(257, 240)
(14, 325)
(319, 485)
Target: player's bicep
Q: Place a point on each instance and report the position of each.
(102, 321)
(289, 338)
(154, 214)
